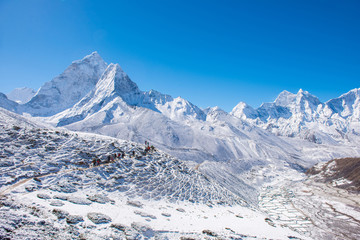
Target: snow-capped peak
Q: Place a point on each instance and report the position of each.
(65, 90)
(347, 104)
(94, 58)
(306, 96)
(285, 98)
(243, 110)
(115, 81)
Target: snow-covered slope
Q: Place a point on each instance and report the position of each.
(68, 88)
(50, 190)
(303, 115)
(21, 95)
(7, 103)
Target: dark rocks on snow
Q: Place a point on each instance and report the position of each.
(59, 213)
(31, 188)
(180, 210)
(209, 232)
(61, 197)
(73, 219)
(119, 226)
(56, 203)
(134, 203)
(43, 196)
(98, 218)
(99, 199)
(78, 200)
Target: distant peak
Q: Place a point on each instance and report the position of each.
(94, 58)
(242, 105)
(93, 55)
(117, 67)
(301, 92)
(285, 98)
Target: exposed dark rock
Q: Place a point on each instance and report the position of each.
(98, 218)
(135, 203)
(180, 210)
(73, 219)
(78, 200)
(210, 233)
(99, 198)
(56, 203)
(119, 226)
(43, 196)
(59, 213)
(166, 214)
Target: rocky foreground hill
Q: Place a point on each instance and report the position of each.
(343, 173)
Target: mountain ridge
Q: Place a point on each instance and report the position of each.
(115, 106)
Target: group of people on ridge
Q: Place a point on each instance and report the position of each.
(111, 158)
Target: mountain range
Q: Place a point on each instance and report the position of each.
(241, 174)
(296, 130)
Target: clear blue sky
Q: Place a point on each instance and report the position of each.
(208, 52)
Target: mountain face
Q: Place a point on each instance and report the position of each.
(304, 115)
(223, 145)
(21, 95)
(66, 89)
(7, 103)
(115, 93)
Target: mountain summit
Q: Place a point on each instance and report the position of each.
(304, 115)
(68, 88)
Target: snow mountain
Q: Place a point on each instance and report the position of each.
(115, 92)
(21, 95)
(225, 146)
(210, 167)
(66, 89)
(304, 115)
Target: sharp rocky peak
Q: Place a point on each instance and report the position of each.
(115, 81)
(93, 58)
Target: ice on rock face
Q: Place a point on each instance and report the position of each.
(68, 88)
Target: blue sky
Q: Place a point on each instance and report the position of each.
(208, 52)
